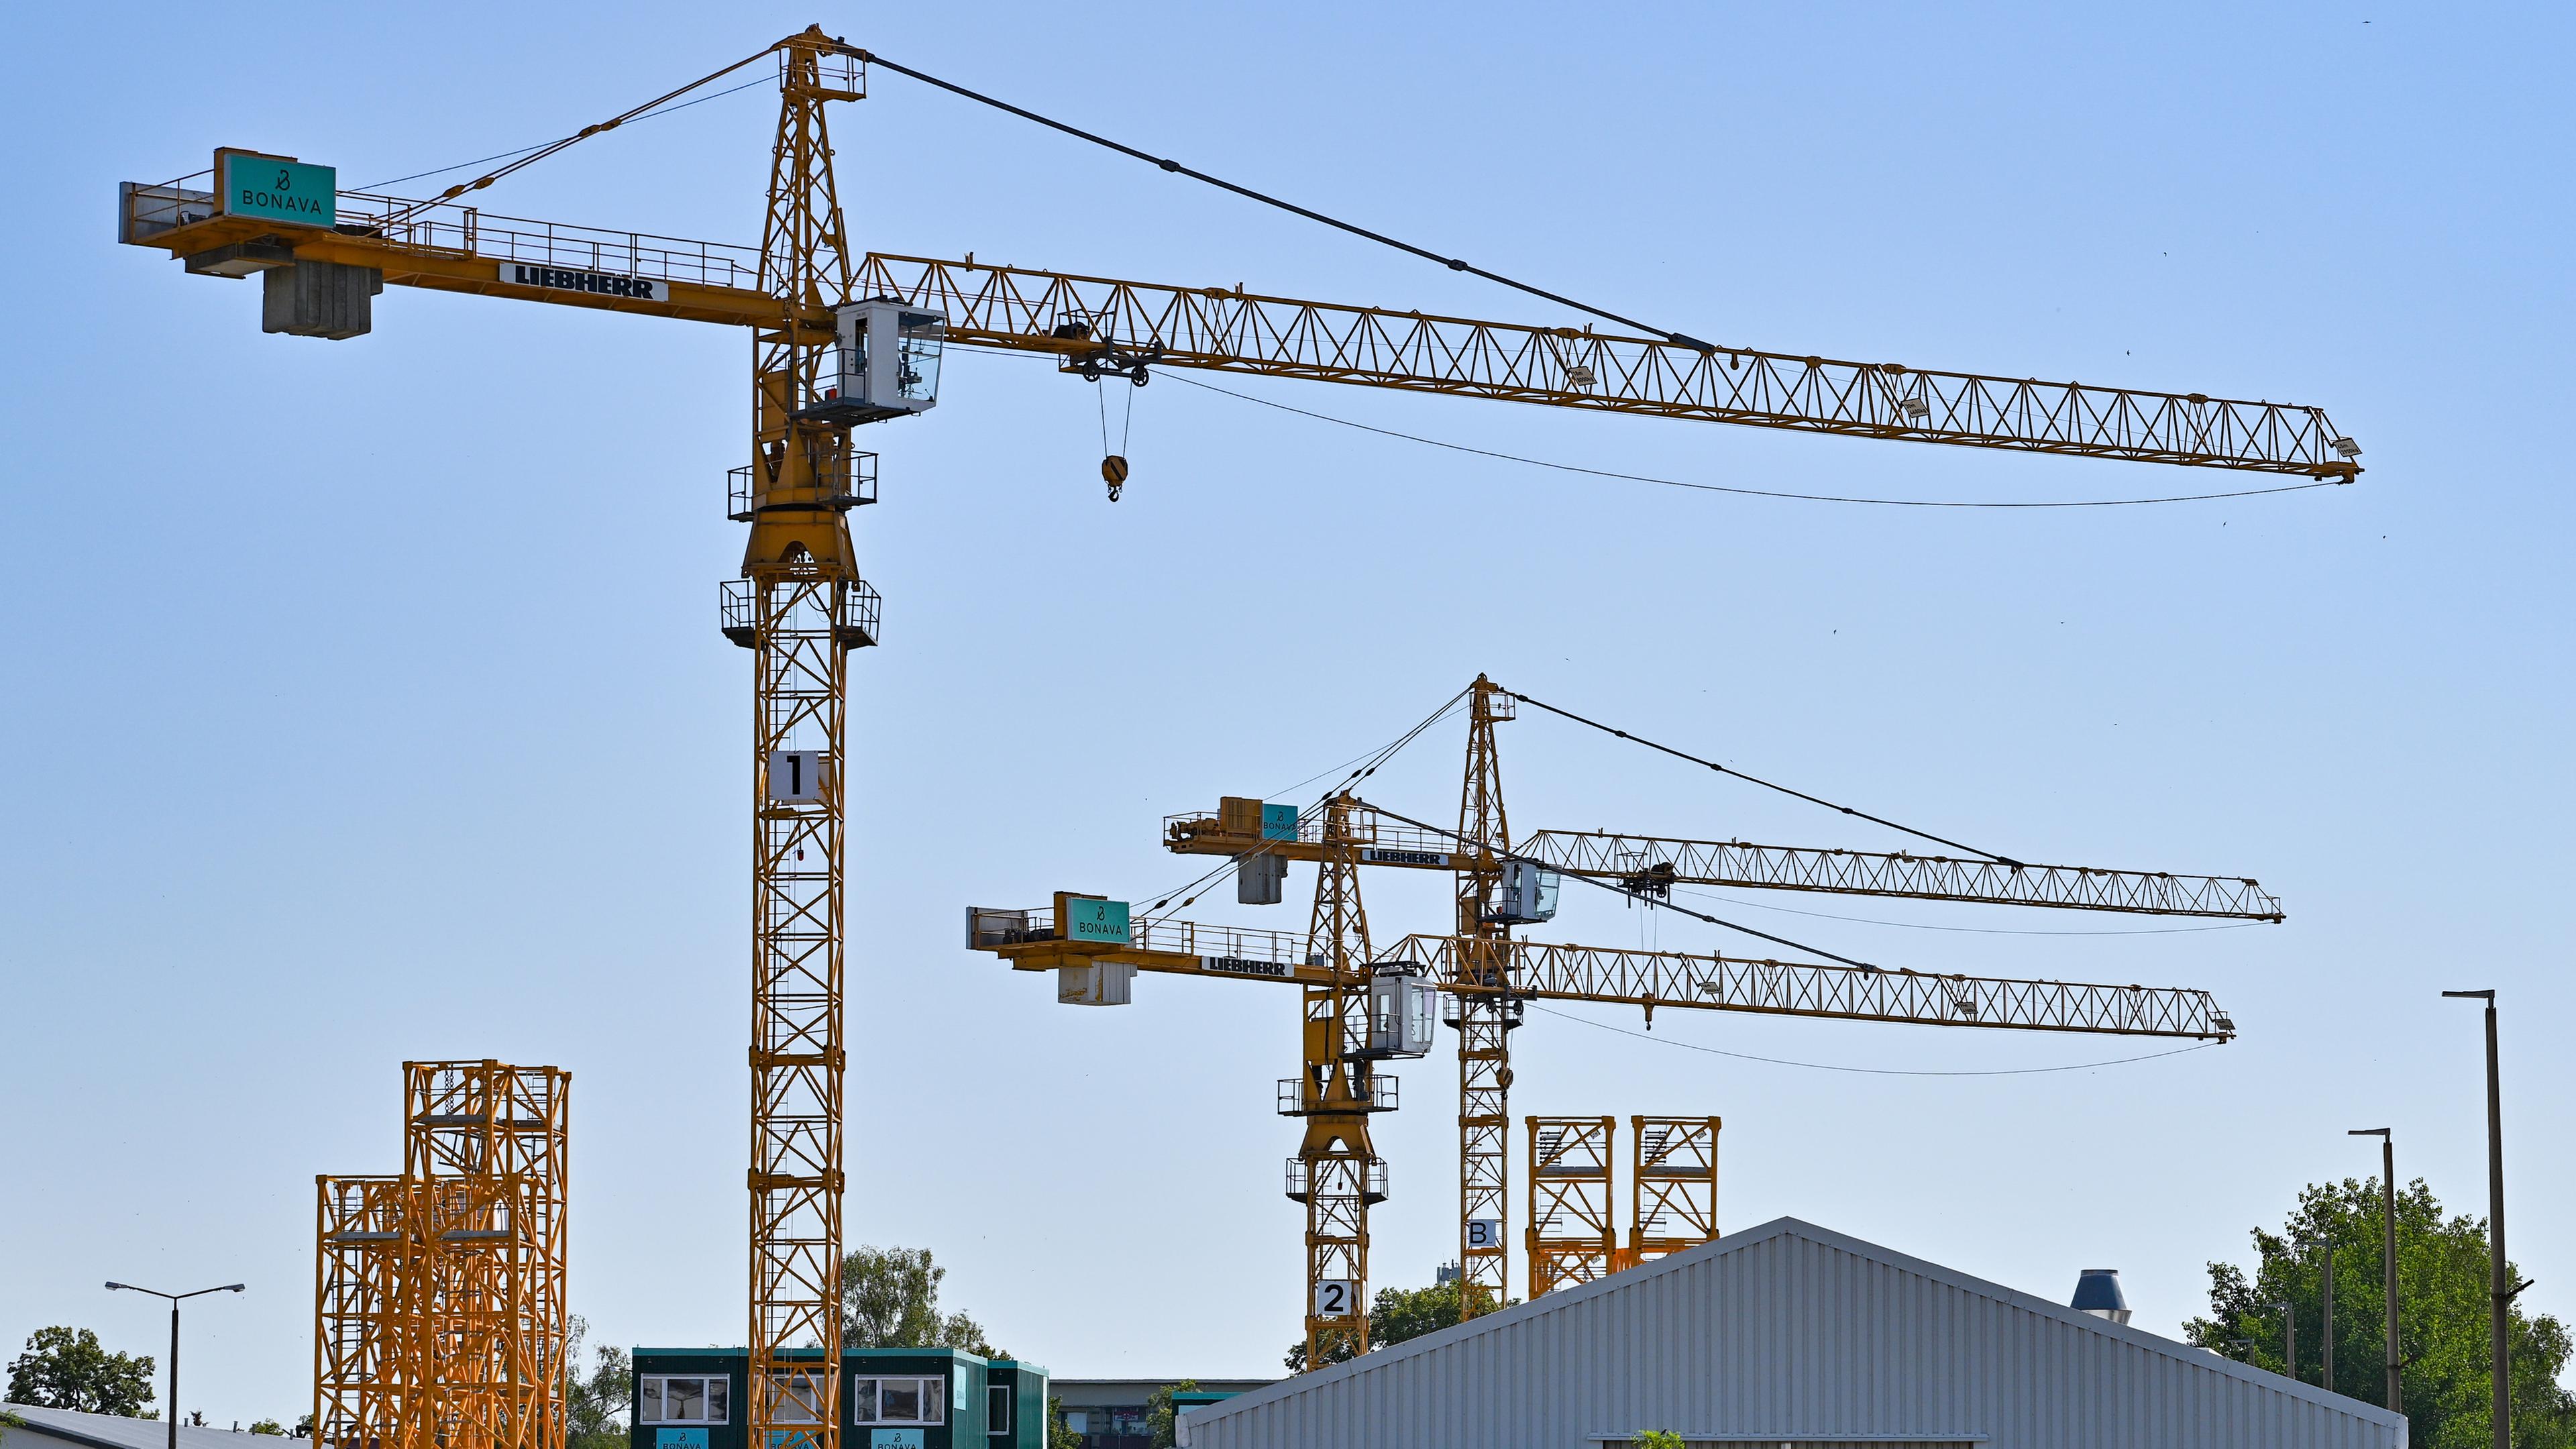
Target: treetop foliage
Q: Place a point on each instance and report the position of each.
(890, 1299)
(67, 1368)
(2442, 1314)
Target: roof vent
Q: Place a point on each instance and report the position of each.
(2097, 1291)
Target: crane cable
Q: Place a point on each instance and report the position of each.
(1455, 264)
(540, 153)
(1871, 1071)
(1505, 855)
(650, 115)
(1781, 493)
(1765, 784)
(1363, 767)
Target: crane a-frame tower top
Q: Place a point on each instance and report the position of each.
(843, 339)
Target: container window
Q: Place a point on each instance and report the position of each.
(898, 1401)
(997, 1409)
(681, 1399)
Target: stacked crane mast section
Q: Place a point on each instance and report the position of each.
(440, 1317)
(842, 339)
(1573, 1236)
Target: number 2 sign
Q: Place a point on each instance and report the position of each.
(1335, 1297)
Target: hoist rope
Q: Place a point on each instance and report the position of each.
(1870, 1071)
(1740, 492)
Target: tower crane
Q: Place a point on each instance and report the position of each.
(1501, 886)
(841, 339)
(1359, 1010)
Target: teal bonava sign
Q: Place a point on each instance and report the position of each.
(1102, 923)
(275, 190)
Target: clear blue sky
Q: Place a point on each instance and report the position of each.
(365, 701)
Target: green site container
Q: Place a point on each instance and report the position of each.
(891, 1398)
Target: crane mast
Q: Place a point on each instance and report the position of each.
(1337, 1173)
(1486, 1014)
(800, 606)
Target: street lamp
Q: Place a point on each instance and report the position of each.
(174, 1340)
(2500, 1290)
(2325, 1353)
(2290, 1337)
(2388, 1247)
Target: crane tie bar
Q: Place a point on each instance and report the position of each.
(1766, 784)
(1659, 905)
(1455, 264)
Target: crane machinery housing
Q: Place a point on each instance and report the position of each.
(843, 338)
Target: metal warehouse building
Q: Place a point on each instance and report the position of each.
(1793, 1336)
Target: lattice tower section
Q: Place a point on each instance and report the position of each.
(440, 1315)
(1572, 1236)
(799, 607)
(1672, 1187)
(1484, 1019)
(1337, 1173)
(487, 1147)
(371, 1363)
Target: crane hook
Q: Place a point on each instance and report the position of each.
(1113, 471)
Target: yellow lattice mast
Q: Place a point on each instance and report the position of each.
(800, 607)
(1672, 1186)
(1485, 1016)
(1337, 1174)
(440, 1317)
(1571, 1236)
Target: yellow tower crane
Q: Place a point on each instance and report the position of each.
(1501, 886)
(1096, 946)
(841, 340)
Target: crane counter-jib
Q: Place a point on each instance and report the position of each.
(448, 247)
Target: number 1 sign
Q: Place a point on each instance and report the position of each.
(795, 774)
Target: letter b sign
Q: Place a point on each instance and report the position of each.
(1484, 1232)
(795, 774)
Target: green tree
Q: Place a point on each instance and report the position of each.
(595, 1403)
(2442, 1313)
(1657, 1439)
(1162, 1422)
(65, 1368)
(890, 1299)
(1058, 1436)
(1395, 1315)
(269, 1426)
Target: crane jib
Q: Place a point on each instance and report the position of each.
(606, 284)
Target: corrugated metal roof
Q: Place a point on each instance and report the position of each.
(115, 1431)
(1792, 1334)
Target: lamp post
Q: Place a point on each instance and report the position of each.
(174, 1340)
(2500, 1291)
(2325, 1351)
(2388, 1249)
(2290, 1337)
